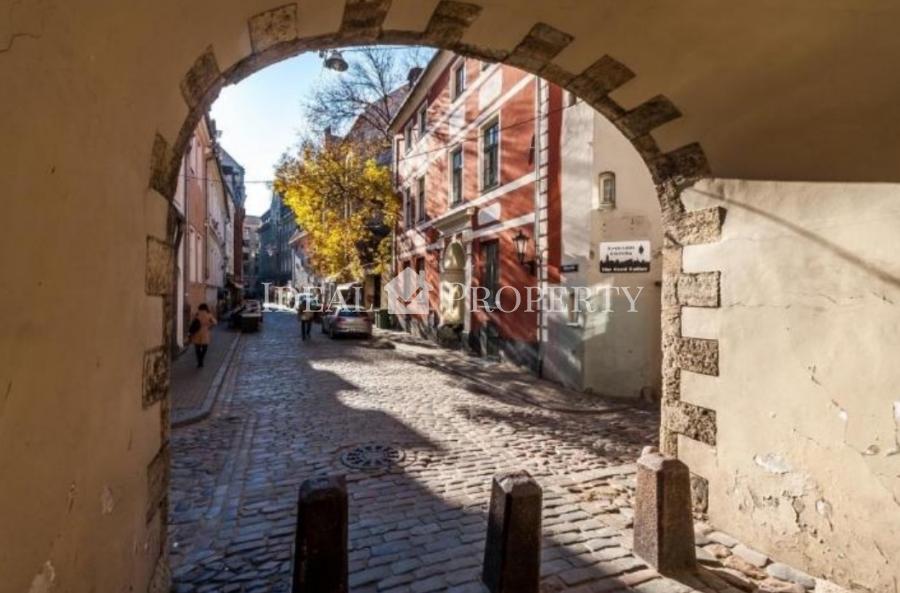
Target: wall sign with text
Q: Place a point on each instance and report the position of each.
(624, 257)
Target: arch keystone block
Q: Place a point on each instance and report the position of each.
(699, 290)
(682, 165)
(699, 226)
(160, 272)
(541, 45)
(663, 523)
(600, 78)
(203, 77)
(363, 19)
(163, 172)
(272, 27)
(647, 116)
(512, 553)
(449, 22)
(694, 422)
(157, 482)
(698, 355)
(155, 376)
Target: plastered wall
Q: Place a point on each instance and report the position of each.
(614, 350)
(806, 464)
(98, 99)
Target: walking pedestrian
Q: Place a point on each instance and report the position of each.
(306, 315)
(200, 332)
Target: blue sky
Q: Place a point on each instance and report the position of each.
(262, 116)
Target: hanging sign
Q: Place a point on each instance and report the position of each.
(624, 257)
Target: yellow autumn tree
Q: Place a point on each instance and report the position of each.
(345, 202)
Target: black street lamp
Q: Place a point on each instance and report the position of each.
(334, 61)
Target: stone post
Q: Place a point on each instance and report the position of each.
(663, 523)
(320, 547)
(512, 554)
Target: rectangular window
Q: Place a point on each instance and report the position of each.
(490, 271)
(421, 198)
(456, 175)
(606, 191)
(408, 136)
(410, 209)
(459, 79)
(423, 120)
(420, 265)
(490, 155)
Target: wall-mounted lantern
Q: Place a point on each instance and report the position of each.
(521, 241)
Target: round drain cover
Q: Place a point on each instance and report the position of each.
(372, 456)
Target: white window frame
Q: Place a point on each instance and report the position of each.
(462, 178)
(489, 122)
(601, 203)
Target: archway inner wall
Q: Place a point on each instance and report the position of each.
(93, 96)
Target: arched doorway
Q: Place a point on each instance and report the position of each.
(453, 282)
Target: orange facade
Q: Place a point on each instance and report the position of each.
(485, 169)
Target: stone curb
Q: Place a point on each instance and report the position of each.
(194, 415)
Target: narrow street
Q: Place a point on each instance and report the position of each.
(289, 410)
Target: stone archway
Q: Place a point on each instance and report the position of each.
(273, 37)
(90, 88)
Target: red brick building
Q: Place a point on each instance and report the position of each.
(476, 161)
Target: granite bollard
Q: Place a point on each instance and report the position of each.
(320, 546)
(512, 554)
(663, 520)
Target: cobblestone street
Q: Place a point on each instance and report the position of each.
(289, 410)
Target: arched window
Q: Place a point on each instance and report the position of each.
(606, 191)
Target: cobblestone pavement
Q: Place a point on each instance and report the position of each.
(289, 410)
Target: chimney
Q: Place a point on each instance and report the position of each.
(414, 73)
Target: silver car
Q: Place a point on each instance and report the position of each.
(346, 322)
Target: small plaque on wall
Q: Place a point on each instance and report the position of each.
(568, 268)
(617, 257)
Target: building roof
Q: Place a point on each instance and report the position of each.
(435, 66)
(233, 174)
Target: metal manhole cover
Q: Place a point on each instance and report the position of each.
(372, 456)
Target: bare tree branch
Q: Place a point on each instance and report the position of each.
(366, 97)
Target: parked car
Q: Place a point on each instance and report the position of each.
(344, 321)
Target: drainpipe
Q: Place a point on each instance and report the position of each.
(538, 256)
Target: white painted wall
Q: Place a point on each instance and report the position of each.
(613, 353)
(217, 221)
(807, 461)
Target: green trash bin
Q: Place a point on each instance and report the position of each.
(383, 319)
